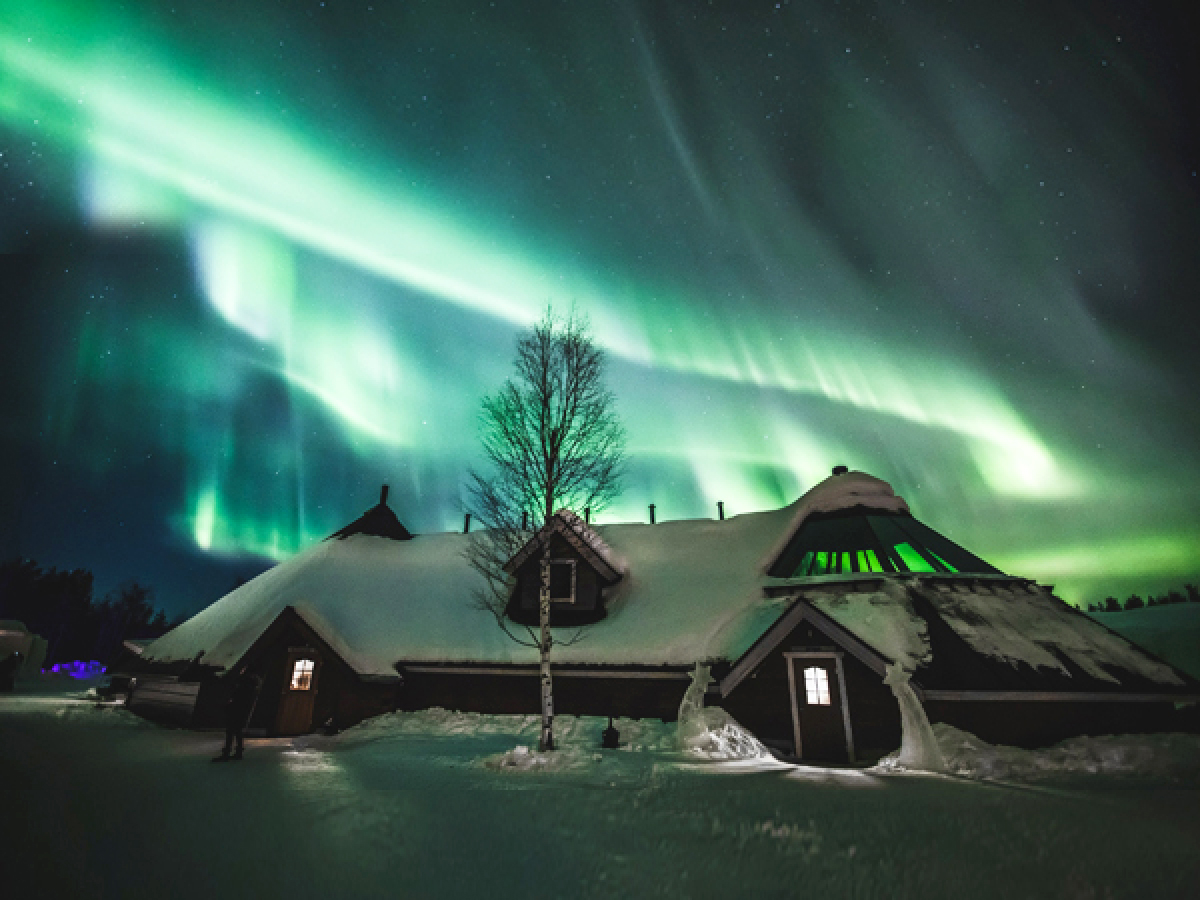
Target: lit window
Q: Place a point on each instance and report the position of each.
(302, 674)
(949, 568)
(867, 562)
(816, 686)
(912, 558)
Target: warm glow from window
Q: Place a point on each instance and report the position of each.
(816, 686)
(302, 675)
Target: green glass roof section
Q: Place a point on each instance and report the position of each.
(861, 540)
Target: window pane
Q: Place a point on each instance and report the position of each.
(816, 686)
(562, 577)
(914, 560)
(302, 674)
(805, 563)
(949, 568)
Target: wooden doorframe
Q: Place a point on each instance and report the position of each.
(836, 655)
(294, 654)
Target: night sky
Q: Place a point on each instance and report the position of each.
(259, 258)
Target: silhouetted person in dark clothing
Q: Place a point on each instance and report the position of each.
(8, 671)
(238, 708)
(610, 738)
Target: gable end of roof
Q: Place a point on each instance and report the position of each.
(802, 611)
(580, 536)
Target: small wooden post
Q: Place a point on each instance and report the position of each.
(721, 510)
(587, 515)
(467, 523)
(651, 513)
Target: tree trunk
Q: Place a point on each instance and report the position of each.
(546, 742)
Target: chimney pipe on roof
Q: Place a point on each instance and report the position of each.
(383, 496)
(467, 523)
(840, 470)
(721, 510)
(651, 513)
(587, 515)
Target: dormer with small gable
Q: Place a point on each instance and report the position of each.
(582, 569)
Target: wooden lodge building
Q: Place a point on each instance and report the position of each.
(799, 611)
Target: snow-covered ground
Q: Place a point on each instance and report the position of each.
(99, 803)
(1171, 632)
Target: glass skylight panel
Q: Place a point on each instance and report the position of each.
(913, 560)
(949, 568)
(842, 544)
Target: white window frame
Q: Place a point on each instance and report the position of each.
(574, 564)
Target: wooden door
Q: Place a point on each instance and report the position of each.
(819, 707)
(299, 692)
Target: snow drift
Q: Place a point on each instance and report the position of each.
(710, 732)
(1172, 756)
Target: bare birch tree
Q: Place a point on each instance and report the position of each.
(553, 439)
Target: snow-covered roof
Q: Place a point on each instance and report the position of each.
(692, 591)
(579, 535)
(1018, 636)
(1016, 625)
(884, 620)
(378, 601)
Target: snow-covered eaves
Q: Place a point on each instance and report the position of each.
(378, 602)
(800, 611)
(579, 535)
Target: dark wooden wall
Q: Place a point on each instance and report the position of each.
(638, 698)
(588, 606)
(1040, 724)
(762, 702)
(341, 698)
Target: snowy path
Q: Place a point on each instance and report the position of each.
(97, 803)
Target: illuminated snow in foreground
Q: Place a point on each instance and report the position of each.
(420, 804)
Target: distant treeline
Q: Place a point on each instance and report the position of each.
(59, 606)
(1134, 601)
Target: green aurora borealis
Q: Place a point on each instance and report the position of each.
(261, 258)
